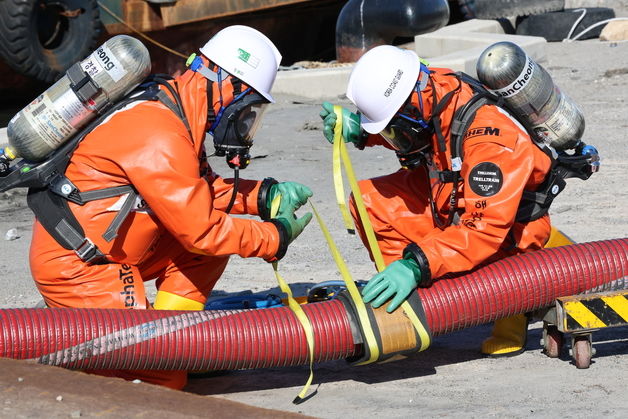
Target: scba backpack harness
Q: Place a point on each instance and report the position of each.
(49, 190)
(534, 204)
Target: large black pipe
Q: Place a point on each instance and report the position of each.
(364, 24)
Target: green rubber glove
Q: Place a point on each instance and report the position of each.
(294, 226)
(350, 124)
(293, 196)
(399, 279)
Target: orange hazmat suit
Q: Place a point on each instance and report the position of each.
(178, 232)
(499, 162)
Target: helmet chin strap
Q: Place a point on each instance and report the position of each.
(195, 63)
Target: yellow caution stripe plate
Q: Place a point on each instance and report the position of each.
(592, 311)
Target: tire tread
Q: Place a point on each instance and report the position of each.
(495, 9)
(16, 42)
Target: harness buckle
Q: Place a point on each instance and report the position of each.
(62, 186)
(446, 176)
(88, 251)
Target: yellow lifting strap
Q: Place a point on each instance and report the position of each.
(354, 293)
(337, 175)
(340, 149)
(297, 310)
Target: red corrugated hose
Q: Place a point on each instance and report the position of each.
(271, 337)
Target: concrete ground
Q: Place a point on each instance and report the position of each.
(450, 379)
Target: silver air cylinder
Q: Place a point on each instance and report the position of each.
(110, 72)
(529, 91)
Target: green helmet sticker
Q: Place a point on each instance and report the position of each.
(245, 56)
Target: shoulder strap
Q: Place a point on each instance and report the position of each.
(534, 204)
(462, 119)
(155, 93)
(55, 216)
(50, 190)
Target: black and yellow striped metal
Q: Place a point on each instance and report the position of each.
(592, 311)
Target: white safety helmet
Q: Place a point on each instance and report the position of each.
(247, 54)
(380, 83)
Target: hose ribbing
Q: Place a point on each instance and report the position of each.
(189, 340)
(524, 283)
(227, 340)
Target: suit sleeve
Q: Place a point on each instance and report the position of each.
(184, 202)
(246, 196)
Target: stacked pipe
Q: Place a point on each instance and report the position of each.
(211, 340)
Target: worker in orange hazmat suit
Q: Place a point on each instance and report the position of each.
(177, 228)
(457, 203)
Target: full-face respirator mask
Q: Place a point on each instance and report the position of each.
(234, 129)
(235, 125)
(407, 132)
(410, 137)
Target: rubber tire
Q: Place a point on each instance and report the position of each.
(20, 45)
(556, 26)
(552, 341)
(462, 10)
(581, 352)
(495, 9)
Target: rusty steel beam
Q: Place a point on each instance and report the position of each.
(186, 11)
(138, 14)
(147, 17)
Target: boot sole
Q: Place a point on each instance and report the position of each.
(506, 354)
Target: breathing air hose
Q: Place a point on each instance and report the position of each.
(225, 340)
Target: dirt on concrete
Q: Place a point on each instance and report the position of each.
(450, 379)
(29, 390)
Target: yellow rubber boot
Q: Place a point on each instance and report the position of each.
(557, 238)
(510, 334)
(168, 301)
(508, 337)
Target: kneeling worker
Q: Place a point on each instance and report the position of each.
(454, 205)
(179, 230)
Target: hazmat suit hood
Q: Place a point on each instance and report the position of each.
(192, 87)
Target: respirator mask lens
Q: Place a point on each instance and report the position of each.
(407, 135)
(238, 123)
(248, 121)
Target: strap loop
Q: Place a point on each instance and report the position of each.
(298, 312)
(371, 342)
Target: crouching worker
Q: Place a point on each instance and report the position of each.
(455, 205)
(172, 223)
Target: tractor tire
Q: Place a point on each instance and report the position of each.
(42, 38)
(557, 25)
(495, 9)
(462, 9)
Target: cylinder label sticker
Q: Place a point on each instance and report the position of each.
(103, 60)
(72, 109)
(562, 124)
(519, 82)
(46, 121)
(140, 205)
(486, 179)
